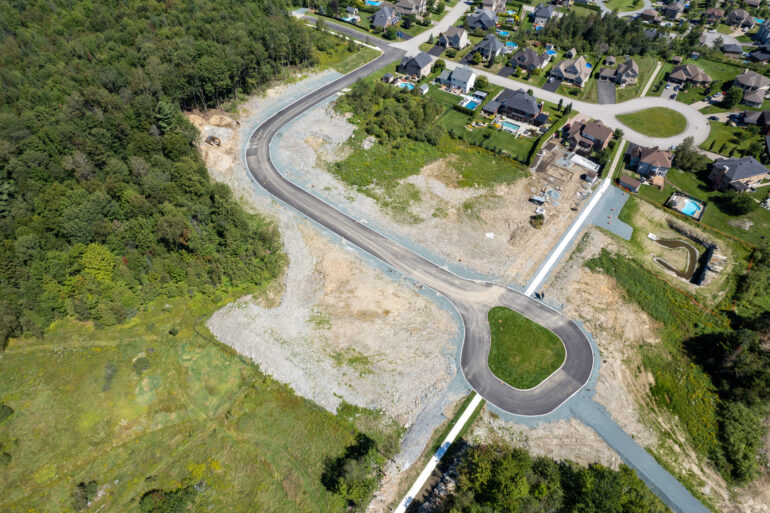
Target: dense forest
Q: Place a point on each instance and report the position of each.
(495, 478)
(105, 203)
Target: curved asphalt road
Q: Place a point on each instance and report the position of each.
(471, 298)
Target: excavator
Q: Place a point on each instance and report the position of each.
(213, 140)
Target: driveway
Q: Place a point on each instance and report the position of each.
(552, 86)
(437, 50)
(605, 91)
(507, 71)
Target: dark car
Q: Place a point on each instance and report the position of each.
(713, 118)
(673, 96)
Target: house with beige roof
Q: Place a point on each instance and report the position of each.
(454, 37)
(689, 74)
(751, 81)
(574, 71)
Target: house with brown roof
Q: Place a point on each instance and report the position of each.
(574, 71)
(689, 73)
(740, 174)
(650, 16)
(751, 81)
(494, 5)
(627, 73)
(589, 136)
(714, 14)
(630, 184)
(529, 59)
(650, 161)
(415, 7)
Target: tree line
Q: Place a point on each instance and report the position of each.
(105, 203)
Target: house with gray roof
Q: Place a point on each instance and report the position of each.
(763, 34)
(689, 73)
(415, 7)
(573, 71)
(714, 14)
(753, 98)
(483, 19)
(751, 81)
(740, 18)
(489, 47)
(542, 14)
(674, 10)
(761, 54)
(627, 73)
(454, 37)
(518, 105)
(462, 77)
(494, 5)
(733, 51)
(417, 66)
(385, 17)
(740, 174)
(528, 59)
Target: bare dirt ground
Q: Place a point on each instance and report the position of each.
(561, 440)
(486, 230)
(341, 330)
(619, 328)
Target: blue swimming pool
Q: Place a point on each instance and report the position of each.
(373, 2)
(588, 65)
(349, 19)
(551, 52)
(503, 33)
(471, 104)
(512, 44)
(406, 85)
(513, 127)
(759, 20)
(511, 12)
(691, 207)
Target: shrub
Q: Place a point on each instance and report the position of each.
(537, 220)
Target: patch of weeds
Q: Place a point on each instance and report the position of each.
(320, 320)
(110, 369)
(353, 359)
(83, 494)
(162, 501)
(5, 411)
(140, 365)
(473, 207)
(440, 213)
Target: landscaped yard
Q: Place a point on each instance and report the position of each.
(523, 353)
(655, 122)
(729, 140)
(646, 67)
(623, 5)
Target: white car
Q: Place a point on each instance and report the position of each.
(712, 31)
(668, 86)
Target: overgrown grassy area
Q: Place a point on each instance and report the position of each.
(157, 404)
(523, 353)
(655, 122)
(623, 5)
(356, 60)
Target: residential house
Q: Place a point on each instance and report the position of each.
(630, 184)
(740, 174)
(753, 3)
(740, 18)
(676, 60)
(351, 11)
(763, 35)
(454, 37)
(388, 78)
(574, 71)
(489, 47)
(627, 73)
(751, 81)
(571, 53)
(414, 7)
(759, 118)
(761, 54)
(689, 74)
(417, 66)
(542, 14)
(565, 3)
(650, 16)
(385, 17)
(483, 19)
(589, 136)
(714, 15)
(753, 98)
(518, 105)
(528, 59)
(650, 161)
(732, 51)
(673, 10)
(610, 60)
(461, 77)
(494, 5)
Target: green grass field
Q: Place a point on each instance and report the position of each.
(356, 60)
(728, 140)
(623, 5)
(657, 122)
(523, 353)
(136, 408)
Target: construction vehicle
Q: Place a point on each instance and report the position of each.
(213, 140)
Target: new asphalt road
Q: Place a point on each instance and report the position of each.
(472, 299)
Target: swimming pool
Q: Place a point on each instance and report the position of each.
(349, 19)
(551, 52)
(691, 207)
(503, 33)
(759, 20)
(406, 85)
(373, 2)
(588, 65)
(511, 12)
(512, 44)
(513, 127)
(471, 105)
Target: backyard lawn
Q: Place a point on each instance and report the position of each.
(656, 122)
(623, 5)
(523, 353)
(728, 140)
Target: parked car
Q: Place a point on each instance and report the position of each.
(668, 86)
(713, 118)
(676, 88)
(673, 96)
